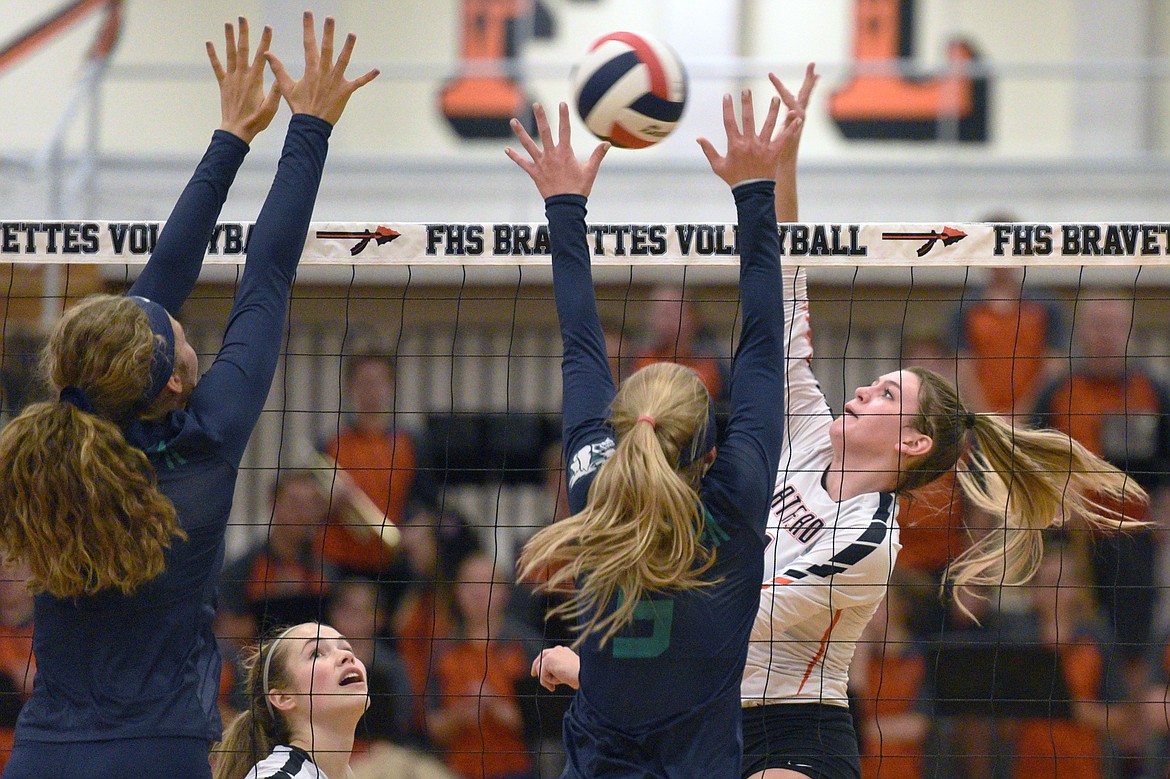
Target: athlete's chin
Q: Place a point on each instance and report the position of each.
(837, 430)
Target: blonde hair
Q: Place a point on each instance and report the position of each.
(254, 732)
(641, 527)
(1030, 479)
(77, 501)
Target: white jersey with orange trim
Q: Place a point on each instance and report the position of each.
(827, 564)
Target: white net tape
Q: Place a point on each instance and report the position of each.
(508, 243)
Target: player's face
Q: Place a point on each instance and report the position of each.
(372, 388)
(322, 666)
(877, 416)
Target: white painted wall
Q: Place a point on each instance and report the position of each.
(1054, 151)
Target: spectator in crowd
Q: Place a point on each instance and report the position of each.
(235, 630)
(433, 547)
(527, 604)
(18, 666)
(382, 459)
(1067, 620)
(1007, 338)
(617, 348)
(358, 610)
(19, 381)
(888, 674)
(282, 579)
(1111, 403)
(672, 334)
(1154, 705)
(475, 714)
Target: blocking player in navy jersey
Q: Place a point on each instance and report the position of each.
(306, 692)
(118, 494)
(664, 547)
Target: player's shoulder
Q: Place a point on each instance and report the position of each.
(286, 762)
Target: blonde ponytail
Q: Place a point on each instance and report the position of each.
(1029, 479)
(257, 730)
(1034, 479)
(640, 531)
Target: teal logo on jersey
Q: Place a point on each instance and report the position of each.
(660, 615)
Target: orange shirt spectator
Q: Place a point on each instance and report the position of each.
(672, 333)
(476, 685)
(1119, 411)
(888, 674)
(931, 526)
(383, 464)
(706, 367)
(895, 677)
(1068, 748)
(379, 458)
(1065, 748)
(17, 663)
(281, 580)
(433, 548)
(1005, 340)
(475, 713)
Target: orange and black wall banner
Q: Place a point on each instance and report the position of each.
(484, 96)
(60, 21)
(887, 105)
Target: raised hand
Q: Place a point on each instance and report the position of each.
(554, 167)
(797, 106)
(243, 104)
(323, 90)
(750, 155)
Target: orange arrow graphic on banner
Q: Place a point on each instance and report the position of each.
(381, 235)
(948, 236)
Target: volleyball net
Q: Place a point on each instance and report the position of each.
(1017, 315)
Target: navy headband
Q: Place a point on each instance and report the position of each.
(162, 365)
(700, 446)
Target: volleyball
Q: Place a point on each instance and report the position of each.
(630, 89)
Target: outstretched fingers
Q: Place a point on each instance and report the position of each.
(229, 45)
(769, 125)
(265, 43)
(327, 43)
(364, 79)
(729, 124)
(346, 52)
(525, 139)
(709, 151)
(323, 91)
(283, 80)
(593, 164)
(242, 43)
(554, 167)
(542, 127)
(810, 81)
(309, 39)
(748, 111)
(216, 65)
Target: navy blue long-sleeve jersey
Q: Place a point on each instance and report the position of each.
(662, 698)
(146, 665)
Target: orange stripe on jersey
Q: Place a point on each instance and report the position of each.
(820, 650)
(777, 580)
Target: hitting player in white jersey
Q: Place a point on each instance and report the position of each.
(827, 562)
(834, 539)
(826, 569)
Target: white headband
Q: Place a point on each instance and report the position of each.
(268, 664)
